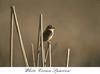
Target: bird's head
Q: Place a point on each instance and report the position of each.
(50, 27)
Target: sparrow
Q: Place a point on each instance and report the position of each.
(48, 33)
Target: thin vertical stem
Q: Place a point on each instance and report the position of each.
(33, 54)
(68, 55)
(50, 59)
(20, 38)
(46, 57)
(38, 58)
(38, 45)
(11, 38)
(41, 39)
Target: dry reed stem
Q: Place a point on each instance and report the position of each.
(68, 55)
(11, 38)
(19, 35)
(41, 39)
(38, 45)
(33, 54)
(50, 59)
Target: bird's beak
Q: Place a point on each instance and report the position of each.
(53, 28)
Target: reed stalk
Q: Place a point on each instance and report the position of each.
(33, 54)
(41, 40)
(11, 38)
(50, 58)
(68, 56)
(19, 35)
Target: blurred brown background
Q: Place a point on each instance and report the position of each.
(77, 25)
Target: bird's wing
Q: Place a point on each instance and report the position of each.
(46, 34)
